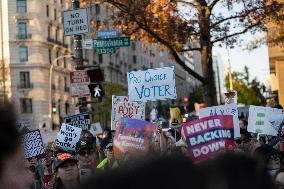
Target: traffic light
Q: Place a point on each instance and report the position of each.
(97, 90)
(96, 75)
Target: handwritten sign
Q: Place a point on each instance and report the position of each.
(261, 120)
(33, 144)
(122, 108)
(79, 81)
(82, 120)
(151, 85)
(133, 137)
(229, 109)
(68, 137)
(208, 136)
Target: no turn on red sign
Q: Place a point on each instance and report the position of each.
(75, 22)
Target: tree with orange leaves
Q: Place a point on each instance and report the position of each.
(193, 25)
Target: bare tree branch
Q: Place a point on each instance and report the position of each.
(190, 49)
(225, 19)
(237, 33)
(212, 5)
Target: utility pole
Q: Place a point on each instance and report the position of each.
(230, 71)
(78, 58)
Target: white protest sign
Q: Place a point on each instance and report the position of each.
(68, 137)
(231, 97)
(151, 84)
(75, 22)
(261, 120)
(122, 108)
(79, 81)
(229, 109)
(96, 128)
(33, 144)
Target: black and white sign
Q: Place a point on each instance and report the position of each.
(96, 90)
(33, 145)
(75, 22)
(82, 120)
(68, 137)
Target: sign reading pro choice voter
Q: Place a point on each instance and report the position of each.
(75, 22)
(151, 84)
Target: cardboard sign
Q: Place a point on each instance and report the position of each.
(82, 120)
(121, 108)
(79, 81)
(151, 85)
(132, 137)
(96, 128)
(208, 136)
(68, 137)
(229, 109)
(75, 22)
(261, 120)
(33, 145)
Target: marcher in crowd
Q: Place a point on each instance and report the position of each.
(109, 162)
(66, 172)
(279, 178)
(268, 158)
(14, 168)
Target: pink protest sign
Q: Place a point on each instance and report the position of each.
(132, 137)
(208, 136)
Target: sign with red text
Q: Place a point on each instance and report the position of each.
(122, 108)
(132, 137)
(208, 136)
(79, 81)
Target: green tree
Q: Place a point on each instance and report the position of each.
(195, 96)
(180, 26)
(102, 109)
(249, 92)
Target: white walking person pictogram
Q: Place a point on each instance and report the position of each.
(97, 91)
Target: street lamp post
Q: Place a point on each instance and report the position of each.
(50, 84)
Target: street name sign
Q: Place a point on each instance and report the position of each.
(111, 42)
(75, 22)
(106, 33)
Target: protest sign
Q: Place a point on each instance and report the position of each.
(261, 120)
(68, 137)
(122, 108)
(26, 122)
(82, 120)
(231, 97)
(79, 81)
(229, 109)
(96, 129)
(132, 137)
(151, 84)
(33, 144)
(208, 136)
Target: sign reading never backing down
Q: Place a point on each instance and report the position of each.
(151, 84)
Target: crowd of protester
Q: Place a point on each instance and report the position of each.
(256, 162)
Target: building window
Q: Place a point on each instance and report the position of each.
(133, 46)
(98, 24)
(26, 105)
(97, 9)
(56, 35)
(67, 108)
(54, 14)
(22, 30)
(134, 59)
(100, 58)
(21, 6)
(47, 10)
(64, 62)
(25, 80)
(57, 55)
(49, 56)
(23, 51)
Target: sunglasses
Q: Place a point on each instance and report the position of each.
(84, 152)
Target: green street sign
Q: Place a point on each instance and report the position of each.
(106, 50)
(111, 42)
